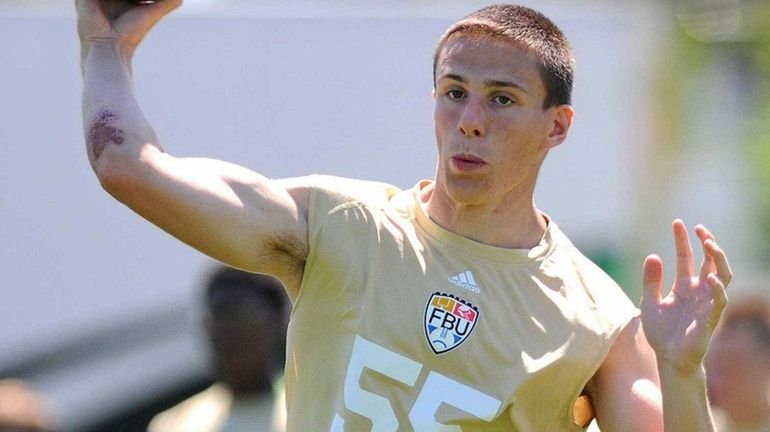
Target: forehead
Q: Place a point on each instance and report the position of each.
(489, 58)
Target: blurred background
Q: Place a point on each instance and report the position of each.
(98, 308)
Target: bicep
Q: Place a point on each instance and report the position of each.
(226, 211)
(625, 391)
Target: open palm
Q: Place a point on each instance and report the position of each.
(679, 325)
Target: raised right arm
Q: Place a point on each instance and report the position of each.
(225, 211)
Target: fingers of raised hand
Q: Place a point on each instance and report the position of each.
(685, 263)
(714, 258)
(652, 280)
(703, 233)
(707, 265)
(719, 299)
(718, 260)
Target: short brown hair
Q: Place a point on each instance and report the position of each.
(531, 29)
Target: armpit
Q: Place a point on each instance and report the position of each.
(288, 252)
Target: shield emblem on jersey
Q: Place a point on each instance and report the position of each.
(449, 321)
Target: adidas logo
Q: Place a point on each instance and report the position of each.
(465, 280)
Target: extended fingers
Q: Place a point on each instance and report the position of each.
(707, 265)
(719, 299)
(684, 256)
(715, 271)
(652, 280)
(717, 255)
(714, 258)
(704, 233)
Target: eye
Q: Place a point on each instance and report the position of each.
(502, 100)
(455, 94)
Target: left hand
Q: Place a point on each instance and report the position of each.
(679, 326)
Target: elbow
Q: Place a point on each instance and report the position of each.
(112, 174)
(120, 171)
(119, 151)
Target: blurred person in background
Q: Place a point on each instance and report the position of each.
(738, 367)
(22, 409)
(245, 321)
(454, 304)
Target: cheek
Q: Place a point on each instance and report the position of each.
(525, 139)
(516, 141)
(442, 118)
(448, 112)
(444, 124)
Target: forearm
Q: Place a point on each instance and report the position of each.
(112, 118)
(685, 405)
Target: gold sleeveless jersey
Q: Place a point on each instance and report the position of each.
(400, 325)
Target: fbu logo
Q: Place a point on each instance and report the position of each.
(449, 320)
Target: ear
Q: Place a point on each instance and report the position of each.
(562, 121)
(433, 94)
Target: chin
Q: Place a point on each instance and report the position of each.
(463, 188)
(467, 192)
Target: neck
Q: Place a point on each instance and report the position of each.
(513, 222)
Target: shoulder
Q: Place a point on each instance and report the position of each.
(323, 192)
(565, 257)
(613, 306)
(568, 253)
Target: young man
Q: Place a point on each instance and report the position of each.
(245, 322)
(738, 367)
(456, 305)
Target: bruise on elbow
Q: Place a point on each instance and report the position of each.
(102, 133)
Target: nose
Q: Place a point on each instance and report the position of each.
(472, 120)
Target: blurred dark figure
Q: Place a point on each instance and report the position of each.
(246, 316)
(738, 367)
(22, 409)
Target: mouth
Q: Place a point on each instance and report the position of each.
(467, 162)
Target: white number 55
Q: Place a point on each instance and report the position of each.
(437, 389)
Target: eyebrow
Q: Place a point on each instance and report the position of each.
(488, 83)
